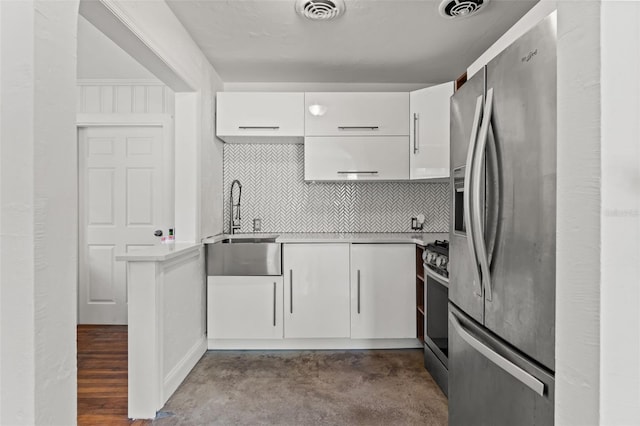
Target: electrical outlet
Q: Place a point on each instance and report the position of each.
(257, 225)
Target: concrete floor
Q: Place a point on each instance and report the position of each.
(377, 387)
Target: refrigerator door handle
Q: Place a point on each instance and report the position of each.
(477, 283)
(476, 195)
(516, 372)
(492, 231)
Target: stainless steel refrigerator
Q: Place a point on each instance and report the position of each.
(502, 237)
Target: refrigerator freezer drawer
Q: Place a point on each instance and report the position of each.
(492, 384)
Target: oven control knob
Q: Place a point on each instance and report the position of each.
(430, 258)
(441, 261)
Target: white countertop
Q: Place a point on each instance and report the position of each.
(355, 237)
(159, 253)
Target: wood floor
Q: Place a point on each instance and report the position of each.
(102, 376)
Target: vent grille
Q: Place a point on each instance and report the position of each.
(320, 10)
(461, 8)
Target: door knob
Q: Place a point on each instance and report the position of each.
(158, 233)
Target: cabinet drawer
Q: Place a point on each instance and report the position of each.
(255, 117)
(356, 158)
(357, 114)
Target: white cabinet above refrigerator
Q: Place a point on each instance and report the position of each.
(429, 135)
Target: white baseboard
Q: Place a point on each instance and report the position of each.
(309, 344)
(180, 371)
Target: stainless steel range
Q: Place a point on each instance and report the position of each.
(436, 350)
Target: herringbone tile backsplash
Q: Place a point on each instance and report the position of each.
(273, 189)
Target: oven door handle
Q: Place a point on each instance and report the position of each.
(436, 277)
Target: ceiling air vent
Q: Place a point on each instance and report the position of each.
(320, 10)
(461, 8)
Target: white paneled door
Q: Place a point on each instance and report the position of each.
(121, 203)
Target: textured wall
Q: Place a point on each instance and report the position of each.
(578, 215)
(620, 215)
(273, 190)
(38, 228)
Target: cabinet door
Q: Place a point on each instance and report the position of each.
(429, 136)
(244, 307)
(356, 114)
(383, 292)
(356, 158)
(246, 115)
(316, 295)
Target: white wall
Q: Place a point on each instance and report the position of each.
(38, 231)
(187, 123)
(38, 193)
(17, 369)
(578, 215)
(598, 257)
(101, 58)
(528, 21)
(620, 214)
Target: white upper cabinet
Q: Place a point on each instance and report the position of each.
(248, 117)
(356, 114)
(383, 291)
(316, 290)
(429, 136)
(356, 158)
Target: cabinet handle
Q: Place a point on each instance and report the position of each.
(416, 119)
(358, 127)
(290, 291)
(356, 172)
(358, 290)
(258, 127)
(274, 304)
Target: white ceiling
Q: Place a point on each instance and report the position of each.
(375, 41)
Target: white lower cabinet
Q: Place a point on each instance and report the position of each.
(316, 290)
(383, 292)
(244, 307)
(331, 296)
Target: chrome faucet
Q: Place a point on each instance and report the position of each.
(234, 222)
